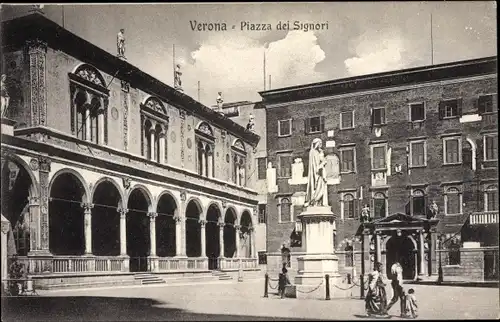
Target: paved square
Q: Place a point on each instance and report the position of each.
(233, 301)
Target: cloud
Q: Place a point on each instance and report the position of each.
(235, 66)
(377, 52)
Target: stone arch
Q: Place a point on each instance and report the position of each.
(198, 204)
(193, 215)
(145, 191)
(83, 66)
(154, 103)
(217, 206)
(34, 192)
(169, 194)
(234, 211)
(249, 212)
(412, 263)
(86, 195)
(204, 127)
(114, 183)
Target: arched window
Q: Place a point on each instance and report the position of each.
(285, 206)
(418, 203)
(491, 198)
(348, 202)
(453, 201)
(349, 256)
(154, 125)
(454, 253)
(285, 256)
(89, 102)
(205, 143)
(239, 163)
(379, 205)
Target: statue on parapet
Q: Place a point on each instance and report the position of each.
(365, 214)
(177, 78)
(5, 96)
(317, 193)
(434, 210)
(251, 124)
(120, 43)
(219, 101)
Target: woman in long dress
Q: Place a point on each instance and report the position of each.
(316, 192)
(376, 299)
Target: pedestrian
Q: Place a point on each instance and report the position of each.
(397, 288)
(283, 281)
(376, 298)
(411, 308)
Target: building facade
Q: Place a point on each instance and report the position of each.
(106, 170)
(253, 116)
(412, 168)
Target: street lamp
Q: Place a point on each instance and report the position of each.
(440, 269)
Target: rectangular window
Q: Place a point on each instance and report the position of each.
(378, 115)
(491, 195)
(485, 104)
(262, 258)
(347, 160)
(379, 157)
(285, 210)
(490, 147)
(418, 154)
(450, 108)
(347, 120)
(262, 214)
(417, 112)
(261, 168)
(453, 198)
(314, 124)
(379, 205)
(285, 164)
(452, 150)
(285, 127)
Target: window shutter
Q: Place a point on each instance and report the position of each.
(372, 117)
(322, 123)
(106, 129)
(426, 205)
(479, 150)
(382, 116)
(478, 107)
(459, 107)
(356, 208)
(372, 208)
(307, 125)
(480, 199)
(441, 110)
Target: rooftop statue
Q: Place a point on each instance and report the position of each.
(177, 78)
(316, 193)
(120, 43)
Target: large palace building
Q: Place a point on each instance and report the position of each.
(107, 171)
(412, 169)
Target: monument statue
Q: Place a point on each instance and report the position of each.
(5, 96)
(251, 123)
(434, 209)
(177, 78)
(316, 193)
(120, 43)
(219, 100)
(365, 213)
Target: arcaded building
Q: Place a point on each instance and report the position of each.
(106, 170)
(412, 168)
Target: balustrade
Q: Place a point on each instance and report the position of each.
(483, 218)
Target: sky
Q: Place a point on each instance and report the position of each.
(361, 38)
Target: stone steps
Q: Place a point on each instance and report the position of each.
(222, 276)
(147, 279)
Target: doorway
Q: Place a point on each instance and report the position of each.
(401, 249)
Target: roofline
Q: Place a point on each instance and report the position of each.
(36, 26)
(328, 88)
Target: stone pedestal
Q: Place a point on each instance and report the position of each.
(320, 259)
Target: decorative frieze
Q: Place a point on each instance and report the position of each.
(126, 97)
(182, 115)
(37, 51)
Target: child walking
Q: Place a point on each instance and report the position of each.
(411, 308)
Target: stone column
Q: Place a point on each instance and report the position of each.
(152, 146)
(378, 258)
(238, 182)
(253, 254)
(203, 238)
(162, 147)
(178, 235)
(422, 252)
(204, 163)
(87, 123)
(123, 231)
(221, 238)
(100, 124)
(34, 219)
(45, 168)
(152, 232)
(210, 156)
(88, 227)
(432, 253)
(237, 238)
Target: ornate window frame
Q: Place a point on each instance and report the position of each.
(410, 161)
(341, 157)
(450, 138)
(154, 112)
(485, 136)
(353, 122)
(89, 82)
(290, 121)
(455, 190)
(343, 196)
(488, 188)
(239, 162)
(418, 191)
(281, 201)
(377, 194)
(205, 149)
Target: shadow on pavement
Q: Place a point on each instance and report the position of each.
(95, 308)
